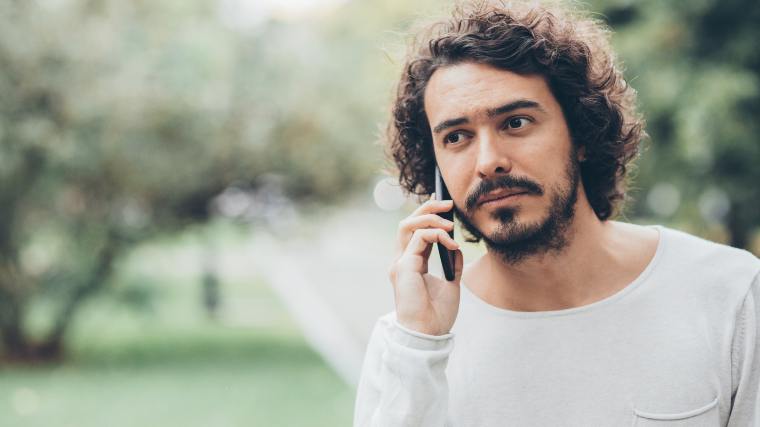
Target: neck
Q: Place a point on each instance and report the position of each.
(553, 280)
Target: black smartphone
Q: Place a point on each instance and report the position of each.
(447, 256)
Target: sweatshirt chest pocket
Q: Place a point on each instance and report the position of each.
(704, 416)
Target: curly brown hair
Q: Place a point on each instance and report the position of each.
(570, 50)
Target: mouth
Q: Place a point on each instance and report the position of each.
(500, 196)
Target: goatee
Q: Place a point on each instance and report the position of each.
(515, 241)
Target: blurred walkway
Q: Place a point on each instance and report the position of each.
(332, 277)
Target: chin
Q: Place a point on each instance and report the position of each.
(510, 227)
(515, 229)
(514, 216)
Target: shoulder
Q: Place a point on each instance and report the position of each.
(720, 271)
(700, 253)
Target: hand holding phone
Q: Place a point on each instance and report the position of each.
(426, 302)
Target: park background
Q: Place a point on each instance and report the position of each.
(195, 218)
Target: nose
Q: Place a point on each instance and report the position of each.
(492, 160)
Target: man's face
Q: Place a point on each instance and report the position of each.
(495, 134)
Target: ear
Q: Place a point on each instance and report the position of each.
(581, 154)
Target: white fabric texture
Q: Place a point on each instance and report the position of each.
(676, 347)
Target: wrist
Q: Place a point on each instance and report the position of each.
(420, 328)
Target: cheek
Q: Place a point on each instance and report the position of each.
(457, 173)
(545, 156)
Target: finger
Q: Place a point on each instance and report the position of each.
(410, 224)
(458, 265)
(424, 237)
(433, 206)
(393, 270)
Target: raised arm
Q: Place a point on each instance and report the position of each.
(403, 380)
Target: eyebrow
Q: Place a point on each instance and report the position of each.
(491, 112)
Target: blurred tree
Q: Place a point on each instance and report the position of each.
(120, 121)
(698, 76)
(117, 123)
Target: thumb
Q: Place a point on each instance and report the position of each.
(458, 265)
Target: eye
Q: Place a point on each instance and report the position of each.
(516, 122)
(454, 138)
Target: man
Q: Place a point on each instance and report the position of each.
(570, 318)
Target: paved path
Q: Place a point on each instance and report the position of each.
(330, 272)
(332, 277)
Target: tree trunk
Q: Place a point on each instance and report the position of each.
(14, 341)
(16, 345)
(53, 343)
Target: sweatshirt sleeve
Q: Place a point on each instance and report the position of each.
(403, 380)
(745, 362)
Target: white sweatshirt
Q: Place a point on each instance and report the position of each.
(679, 346)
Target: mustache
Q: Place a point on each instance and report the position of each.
(506, 182)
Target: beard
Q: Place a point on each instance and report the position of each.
(513, 240)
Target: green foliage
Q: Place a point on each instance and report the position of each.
(122, 121)
(698, 77)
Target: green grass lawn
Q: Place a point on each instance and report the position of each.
(168, 364)
(225, 379)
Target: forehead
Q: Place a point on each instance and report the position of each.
(469, 89)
